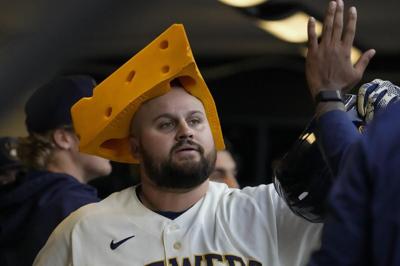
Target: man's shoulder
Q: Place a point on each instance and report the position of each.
(260, 195)
(89, 222)
(116, 203)
(221, 189)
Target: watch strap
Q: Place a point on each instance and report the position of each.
(329, 96)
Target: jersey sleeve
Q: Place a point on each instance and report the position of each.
(296, 238)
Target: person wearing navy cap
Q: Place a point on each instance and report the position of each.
(55, 184)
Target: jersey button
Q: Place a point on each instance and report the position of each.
(174, 227)
(177, 245)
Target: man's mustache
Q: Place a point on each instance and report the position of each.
(189, 144)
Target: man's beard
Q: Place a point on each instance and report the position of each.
(184, 175)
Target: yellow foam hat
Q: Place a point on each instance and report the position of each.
(102, 121)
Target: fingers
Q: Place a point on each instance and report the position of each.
(338, 22)
(363, 61)
(363, 95)
(361, 101)
(312, 35)
(328, 22)
(350, 31)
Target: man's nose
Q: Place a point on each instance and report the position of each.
(184, 131)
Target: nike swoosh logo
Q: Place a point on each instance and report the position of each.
(114, 245)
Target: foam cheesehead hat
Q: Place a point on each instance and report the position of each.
(102, 121)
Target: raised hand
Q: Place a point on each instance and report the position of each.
(328, 63)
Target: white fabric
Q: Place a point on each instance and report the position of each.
(252, 226)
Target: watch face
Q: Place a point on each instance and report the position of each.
(329, 96)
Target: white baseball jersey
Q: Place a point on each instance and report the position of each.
(248, 227)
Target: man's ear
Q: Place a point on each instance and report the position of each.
(63, 139)
(135, 148)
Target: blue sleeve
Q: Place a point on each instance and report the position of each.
(382, 145)
(335, 133)
(362, 227)
(345, 231)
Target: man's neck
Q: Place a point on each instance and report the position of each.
(159, 199)
(62, 163)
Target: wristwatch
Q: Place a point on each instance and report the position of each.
(329, 96)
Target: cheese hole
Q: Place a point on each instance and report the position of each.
(165, 69)
(164, 45)
(130, 77)
(108, 112)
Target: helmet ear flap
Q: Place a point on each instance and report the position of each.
(303, 176)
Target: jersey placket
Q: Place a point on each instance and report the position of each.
(173, 240)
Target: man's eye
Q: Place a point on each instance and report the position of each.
(194, 122)
(166, 125)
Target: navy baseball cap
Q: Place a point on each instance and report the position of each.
(8, 153)
(49, 106)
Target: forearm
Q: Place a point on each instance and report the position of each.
(335, 133)
(345, 229)
(324, 107)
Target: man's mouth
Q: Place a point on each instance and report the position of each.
(187, 149)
